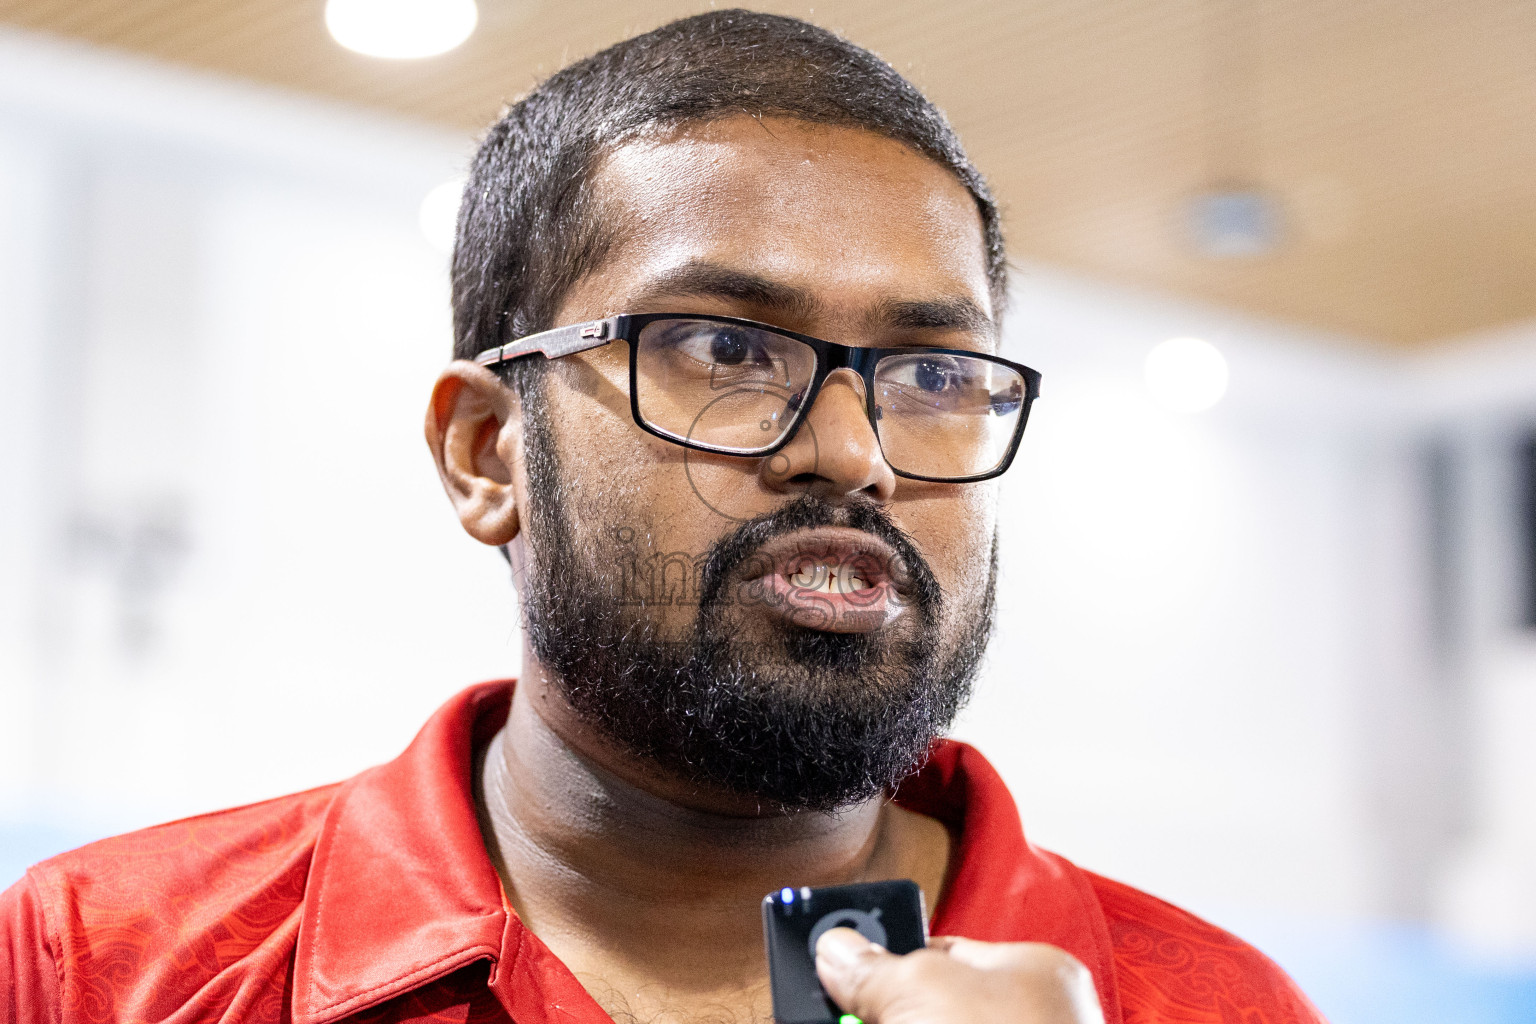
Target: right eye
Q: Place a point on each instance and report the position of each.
(722, 344)
(718, 344)
(684, 352)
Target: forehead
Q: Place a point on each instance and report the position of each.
(845, 213)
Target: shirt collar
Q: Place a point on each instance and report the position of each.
(1001, 887)
(401, 891)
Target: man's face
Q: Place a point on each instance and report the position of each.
(795, 628)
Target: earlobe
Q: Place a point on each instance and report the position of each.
(472, 429)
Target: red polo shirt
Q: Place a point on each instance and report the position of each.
(374, 900)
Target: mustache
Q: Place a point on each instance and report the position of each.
(912, 574)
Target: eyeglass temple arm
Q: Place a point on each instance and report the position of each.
(552, 344)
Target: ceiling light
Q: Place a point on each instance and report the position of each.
(401, 28)
(439, 213)
(1234, 222)
(1186, 374)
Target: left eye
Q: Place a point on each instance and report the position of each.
(729, 347)
(931, 373)
(933, 377)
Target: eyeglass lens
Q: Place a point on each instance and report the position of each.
(738, 389)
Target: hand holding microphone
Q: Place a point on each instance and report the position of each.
(956, 981)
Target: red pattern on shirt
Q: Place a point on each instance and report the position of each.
(1172, 966)
(136, 941)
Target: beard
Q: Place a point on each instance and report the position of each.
(795, 717)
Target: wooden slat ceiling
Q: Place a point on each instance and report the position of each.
(1399, 136)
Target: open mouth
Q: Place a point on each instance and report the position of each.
(829, 578)
(836, 579)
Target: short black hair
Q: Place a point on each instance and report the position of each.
(526, 229)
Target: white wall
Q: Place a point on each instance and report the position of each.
(229, 569)
(1171, 685)
(1216, 674)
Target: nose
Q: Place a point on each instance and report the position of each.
(835, 450)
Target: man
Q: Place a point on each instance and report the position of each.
(727, 396)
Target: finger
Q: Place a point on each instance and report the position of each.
(974, 953)
(993, 955)
(988, 955)
(846, 962)
(1070, 981)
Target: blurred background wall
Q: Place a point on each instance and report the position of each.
(1270, 659)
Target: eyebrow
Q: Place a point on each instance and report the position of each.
(954, 314)
(711, 280)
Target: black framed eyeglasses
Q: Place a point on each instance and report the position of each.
(738, 387)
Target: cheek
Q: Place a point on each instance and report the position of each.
(604, 463)
(725, 490)
(628, 492)
(610, 486)
(955, 532)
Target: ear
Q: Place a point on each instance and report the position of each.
(474, 429)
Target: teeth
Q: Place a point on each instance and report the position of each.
(827, 579)
(811, 577)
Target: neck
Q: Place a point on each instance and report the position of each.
(623, 870)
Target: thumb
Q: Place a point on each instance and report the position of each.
(850, 968)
